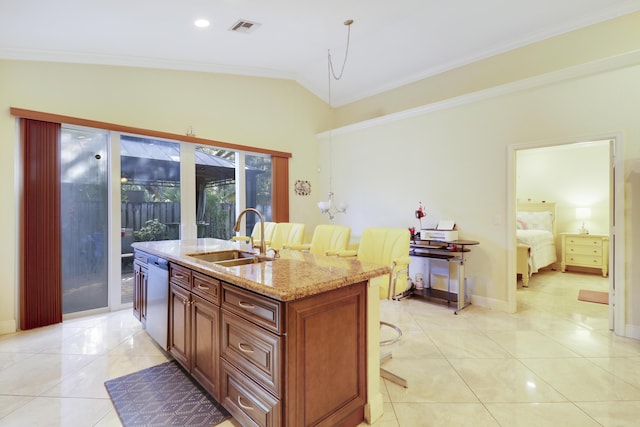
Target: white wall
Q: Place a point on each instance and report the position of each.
(455, 161)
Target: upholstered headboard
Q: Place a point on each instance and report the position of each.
(540, 216)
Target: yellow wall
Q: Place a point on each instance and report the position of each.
(258, 112)
(607, 39)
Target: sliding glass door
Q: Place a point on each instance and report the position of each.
(84, 209)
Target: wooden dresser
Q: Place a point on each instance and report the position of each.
(585, 250)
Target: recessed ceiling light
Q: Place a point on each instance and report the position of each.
(201, 23)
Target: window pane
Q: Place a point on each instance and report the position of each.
(215, 192)
(150, 192)
(84, 213)
(258, 187)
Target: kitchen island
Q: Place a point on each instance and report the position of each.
(286, 341)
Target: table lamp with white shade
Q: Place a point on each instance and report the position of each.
(583, 214)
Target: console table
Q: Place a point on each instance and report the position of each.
(452, 252)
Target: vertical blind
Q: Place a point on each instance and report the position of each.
(40, 260)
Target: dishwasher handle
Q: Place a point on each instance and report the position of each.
(160, 263)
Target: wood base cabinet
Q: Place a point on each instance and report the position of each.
(299, 363)
(140, 274)
(194, 325)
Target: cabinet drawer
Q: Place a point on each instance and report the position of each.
(206, 287)
(584, 241)
(263, 311)
(584, 250)
(256, 352)
(180, 275)
(247, 401)
(584, 260)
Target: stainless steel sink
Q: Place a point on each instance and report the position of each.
(230, 258)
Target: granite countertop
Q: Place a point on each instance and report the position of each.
(294, 275)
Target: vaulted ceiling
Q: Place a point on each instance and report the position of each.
(392, 42)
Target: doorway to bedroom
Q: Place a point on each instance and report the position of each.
(576, 180)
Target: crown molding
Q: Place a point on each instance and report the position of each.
(590, 68)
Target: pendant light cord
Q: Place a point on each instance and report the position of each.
(332, 74)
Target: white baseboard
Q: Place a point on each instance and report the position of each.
(7, 326)
(493, 304)
(632, 331)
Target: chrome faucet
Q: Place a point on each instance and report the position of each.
(236, 227)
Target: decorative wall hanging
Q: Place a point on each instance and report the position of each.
(303, 188)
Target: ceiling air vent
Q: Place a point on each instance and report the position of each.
(244, 26)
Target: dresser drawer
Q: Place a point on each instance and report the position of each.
(247, 401)
(584, 241)
(263, 311)
(584, 260)
(180, 275)
(584, 250)
(256, 352)
(206, 287)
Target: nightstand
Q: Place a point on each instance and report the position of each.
(585, 250)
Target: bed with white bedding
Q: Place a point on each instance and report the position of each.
(535, 232)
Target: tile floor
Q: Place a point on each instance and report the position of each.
(554, 363)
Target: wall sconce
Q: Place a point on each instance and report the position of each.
(583, 214)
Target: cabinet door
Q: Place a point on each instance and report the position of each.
(205, 348)
(136, 290)
(326, 358)
(144, 276)
(179, 324)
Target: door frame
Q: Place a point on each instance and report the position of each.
(617, 279)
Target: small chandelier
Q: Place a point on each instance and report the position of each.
(328, 207)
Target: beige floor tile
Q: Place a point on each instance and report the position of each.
(609, 414)
(8, 404)
(466, 344)
(94, 340)
(504, 380)
(527, 344)
(625, 368)
(593, 344)
(35, 340)
(414, 344)
(89, 380)
(580, 380)
(430, 380)
(39, 373)
(50, 412)
(540, 415)
(443, 415)
(138, 344)
(109, 420)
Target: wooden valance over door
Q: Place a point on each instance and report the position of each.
(40, 250)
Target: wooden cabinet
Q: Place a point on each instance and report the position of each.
(299, 363)
(272, 363)
(194, 325)
(585, 250)
(140, 274)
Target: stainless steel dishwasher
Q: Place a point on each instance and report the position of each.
(158, 300)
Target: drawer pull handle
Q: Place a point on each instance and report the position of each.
(246, 305)
(203, 287)
(178, 276)
(245, 348)
(243, 406)
(185, 301)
